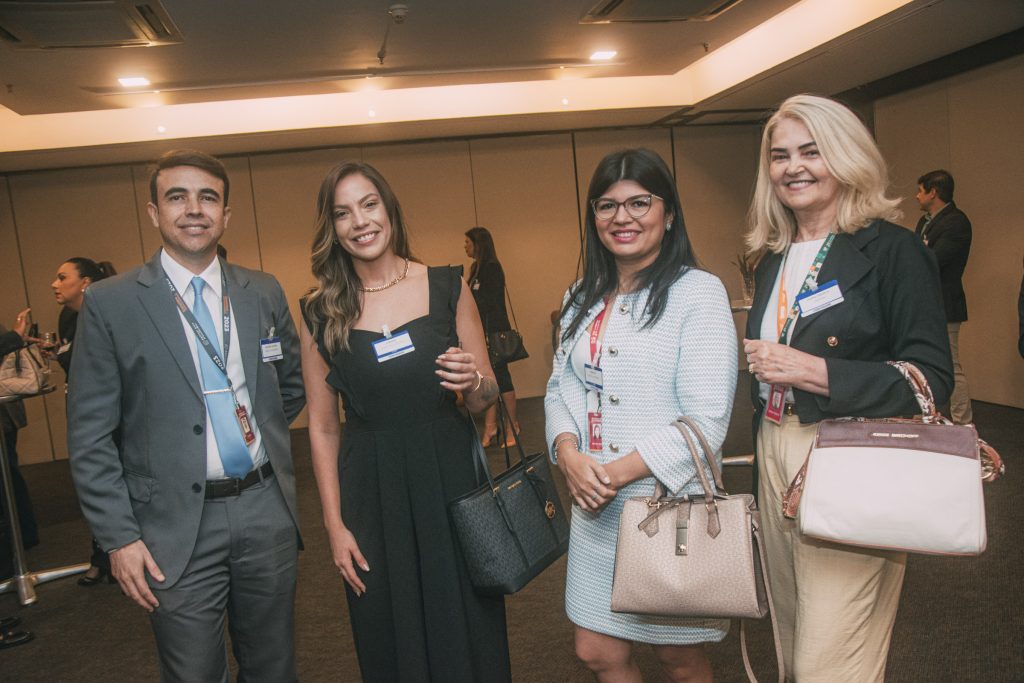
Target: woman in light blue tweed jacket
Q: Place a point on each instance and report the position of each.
(646, 337)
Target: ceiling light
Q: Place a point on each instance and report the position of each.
(133, 81)
(161, 129)
(371, 113)
(603, 55)
(565, 100)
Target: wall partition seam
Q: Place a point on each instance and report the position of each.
(472, 181)
(138, 216)
(255, 213)
(579, 214)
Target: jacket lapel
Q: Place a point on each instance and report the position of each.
(845, 264)
(159, 305)
(764, 282)
(246, 308)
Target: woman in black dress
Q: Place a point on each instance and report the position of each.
(73, 277)
(487, 282)
(396, 339)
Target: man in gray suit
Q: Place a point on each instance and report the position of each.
(178, 437)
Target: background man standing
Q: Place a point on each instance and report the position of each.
(946, 229)
(195, 363)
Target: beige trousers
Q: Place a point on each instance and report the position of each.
(835, 604)
(960, 399)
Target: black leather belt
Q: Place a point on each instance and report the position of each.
(221, 488)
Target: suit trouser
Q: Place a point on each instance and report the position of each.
(243, 567)
(960, 399)
(835, 604)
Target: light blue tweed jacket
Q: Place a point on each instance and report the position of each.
(685, 364)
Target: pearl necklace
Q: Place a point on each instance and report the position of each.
(394, 282)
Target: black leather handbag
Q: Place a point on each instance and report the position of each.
(506, 346)
(511, 527)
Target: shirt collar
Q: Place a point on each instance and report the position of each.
(181, 277)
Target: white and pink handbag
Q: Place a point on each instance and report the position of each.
(913, 485)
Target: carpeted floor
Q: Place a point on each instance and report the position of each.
(959, 619)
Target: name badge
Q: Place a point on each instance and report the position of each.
(392, 347)
(776, 397)
(825, 296)
(270, 349)
(594, 432)
(593, 377)
(64, 348)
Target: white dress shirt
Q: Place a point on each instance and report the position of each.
(181, 278)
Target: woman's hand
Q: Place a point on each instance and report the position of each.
(457, 370)
(21, 323)
(773, 363)
(589, 484)
(347, 558)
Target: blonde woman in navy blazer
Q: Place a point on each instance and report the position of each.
(669, 349)
(821, 174)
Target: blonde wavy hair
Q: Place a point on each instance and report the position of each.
(335, 304)
(851, 156)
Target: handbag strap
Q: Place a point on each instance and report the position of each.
(515, 323)
(756, 521)
(681, 422)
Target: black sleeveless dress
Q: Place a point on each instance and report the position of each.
(406, 453)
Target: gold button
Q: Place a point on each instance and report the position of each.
(832, 341)
(612, 351)
(614, 399)
(623, 308)
(613, 447)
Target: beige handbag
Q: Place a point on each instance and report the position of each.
(694, 556)
(24, 372)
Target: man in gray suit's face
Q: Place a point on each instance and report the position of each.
(178, 434)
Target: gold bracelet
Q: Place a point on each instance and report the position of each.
(479, 381)
(559, 442)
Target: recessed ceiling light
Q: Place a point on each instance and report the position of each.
(371, 113)
(603, 55)
(133, 81)
(161, 129)
(565, 100)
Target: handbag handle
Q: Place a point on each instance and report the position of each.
(659, 488)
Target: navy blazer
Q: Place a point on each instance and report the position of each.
(949, 237)
(891, 311)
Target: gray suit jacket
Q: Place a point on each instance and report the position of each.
(133, 371)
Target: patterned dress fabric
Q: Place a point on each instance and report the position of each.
(685, 364)
(406, 453)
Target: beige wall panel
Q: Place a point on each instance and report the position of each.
(59, 214)
(970, 125)
(433, 181)
(33, 441)
(526, 197)
(284, 194)
(715, 171)
(239, 239)
(985, 111)
(913, 132)
(592, 146)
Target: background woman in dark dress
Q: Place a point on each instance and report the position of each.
(396, 340)
(73, 277)
(487, 282)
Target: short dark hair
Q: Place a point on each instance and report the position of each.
(940, 181)
(188, 157)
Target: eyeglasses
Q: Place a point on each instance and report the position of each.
(637, 206)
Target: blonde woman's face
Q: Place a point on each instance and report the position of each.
(798, 174)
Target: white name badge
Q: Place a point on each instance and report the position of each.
(270, 349)
(392, 347)
(593, 377)
(825, 296)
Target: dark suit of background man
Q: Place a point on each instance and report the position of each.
(195, 531)
(945, 229)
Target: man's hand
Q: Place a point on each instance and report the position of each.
(129, 565)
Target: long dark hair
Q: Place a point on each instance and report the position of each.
(483, 249)
(335, 303)
(600, 274)
(91, 269)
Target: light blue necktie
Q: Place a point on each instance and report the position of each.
(234, 454)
